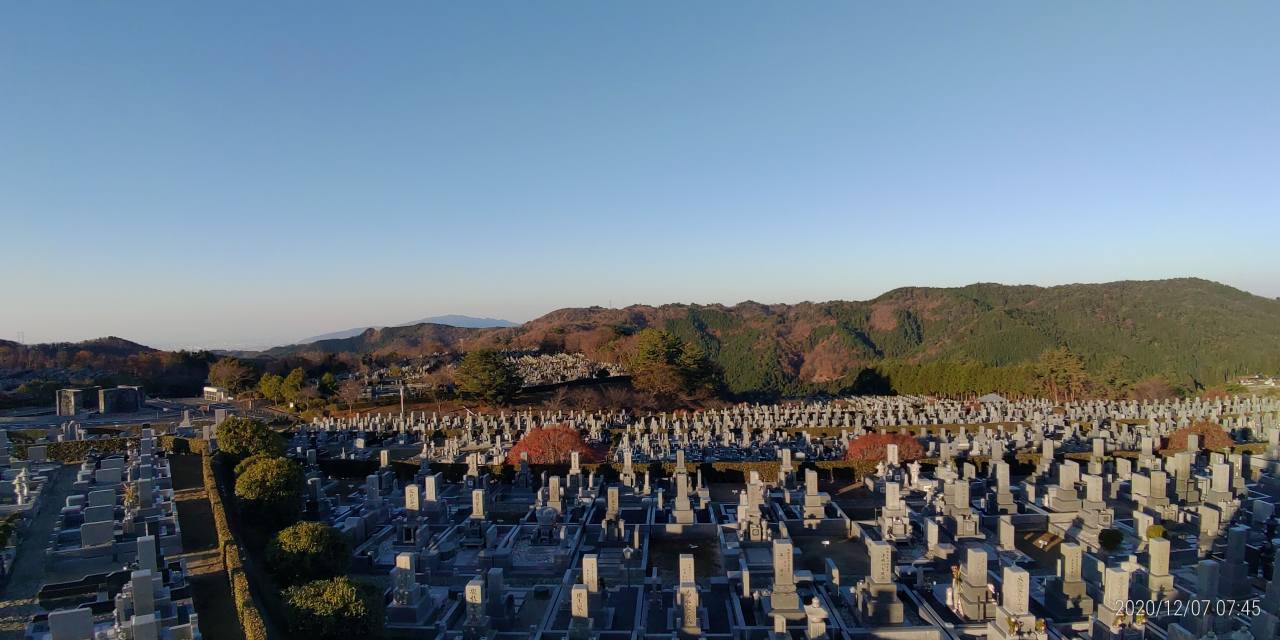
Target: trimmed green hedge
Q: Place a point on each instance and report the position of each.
(215, 503)
(723, 471)
(180, 445)
(1252, 448)
(72, 451)
(233, 557)
(246, 609)
(75, 451)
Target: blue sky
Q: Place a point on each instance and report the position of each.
(231, 174)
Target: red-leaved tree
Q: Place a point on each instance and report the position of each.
(1211, 436)
(873, 447)
(552, 445)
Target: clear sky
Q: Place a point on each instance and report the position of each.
(232, 174)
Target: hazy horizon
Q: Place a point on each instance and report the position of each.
(247, 175)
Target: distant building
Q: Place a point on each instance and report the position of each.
(70, 402)
(218, 394)
(1258, 381)
(121, 399)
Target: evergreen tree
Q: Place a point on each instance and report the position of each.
(671, 369)
(270, 385)
(291, 386)
(241, 437)
(1062, 375)
(487, 374)
(271, 490)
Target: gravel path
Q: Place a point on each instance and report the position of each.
(208, 578)
(18, 603)
(210, 589)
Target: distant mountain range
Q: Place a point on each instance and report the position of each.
(977, 338)
(1191, 331)
(452, 320)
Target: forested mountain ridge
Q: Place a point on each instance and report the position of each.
(30, 372)
(981, 337)
(101, 352)
(956, 341)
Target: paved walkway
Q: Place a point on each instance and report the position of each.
(18, 603)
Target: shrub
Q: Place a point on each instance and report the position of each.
(873, 447)
(307, 551)
(1211, 436)
(242, 437)
(1110, 539)
(335, 609)
(552, 445)
(249, 462)
(1155, 531)
(271, 490)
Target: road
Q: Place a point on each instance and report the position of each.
(159, 412)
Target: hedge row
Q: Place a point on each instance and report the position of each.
(246, 609)
(1251, 448)
(1245, 448)
(220, 522)
(724, 471)
(180, 445)
(250, 618)
(73, 451)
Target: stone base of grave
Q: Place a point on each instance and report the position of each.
(1103, 631)
(1109, 622)
(1002, 504)
(880, 606)
(1178, 632)
(409, 614)
(786, 605)
(478, 632)
(1006, 627)
(974, 604)
(1161, 587)
(1068, 601)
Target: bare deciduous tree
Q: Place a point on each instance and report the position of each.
(350, 391)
